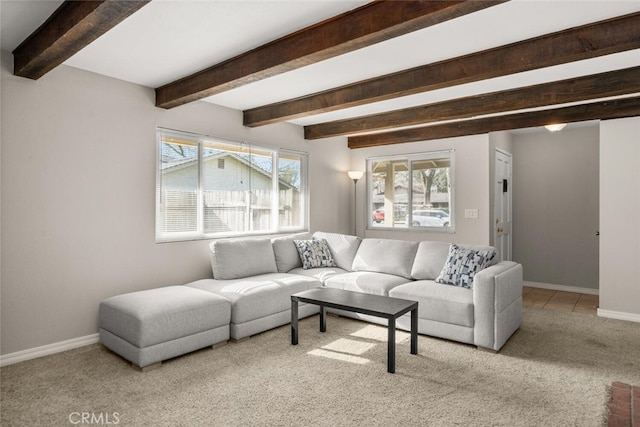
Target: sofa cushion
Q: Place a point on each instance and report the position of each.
(154, 316)
(462, 264)
(259, 296)
(429, 260)
(321, 273)
(343, 247)
(431, 257)
(441, 303)
(314, 254)
(233, 259)
(386, 256)
(286, 253)
(365, 281)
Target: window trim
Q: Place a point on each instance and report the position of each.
(200, 234)
(410, 158)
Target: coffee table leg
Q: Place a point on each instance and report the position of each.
(414, 331)
(391, 346)
(323, 318)
(294, 321)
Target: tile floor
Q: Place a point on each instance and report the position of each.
(560, 300)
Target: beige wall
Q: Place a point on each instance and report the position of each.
(471, 188)
(620, 218)
(78, 197)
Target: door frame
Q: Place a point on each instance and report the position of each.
(496, 223)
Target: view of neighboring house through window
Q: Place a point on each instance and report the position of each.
(412, 191)
(211, 187)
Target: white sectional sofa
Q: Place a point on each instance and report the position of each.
(258, 276)
(485, 315)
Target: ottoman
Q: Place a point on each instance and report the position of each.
(150, 326)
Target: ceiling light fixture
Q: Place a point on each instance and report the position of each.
(555, 127)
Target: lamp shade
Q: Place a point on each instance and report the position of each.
(355, 175)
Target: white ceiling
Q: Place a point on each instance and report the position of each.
(167, 40)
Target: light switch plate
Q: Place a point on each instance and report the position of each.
(471, 213)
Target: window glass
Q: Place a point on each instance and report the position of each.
(290, 200)
(178, 198)
(431, 195)
(411, 192)
(210, 187)
(390, 182)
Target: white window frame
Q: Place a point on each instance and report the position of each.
(410, 158)
(200, 140)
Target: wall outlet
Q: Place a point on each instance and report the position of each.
(471, 213)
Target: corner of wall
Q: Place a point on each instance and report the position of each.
(619, 226)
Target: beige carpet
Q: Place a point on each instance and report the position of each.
(555, 371)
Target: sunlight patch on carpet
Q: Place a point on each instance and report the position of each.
(339, 356)
(345, 345)
(346, 350)
(379, 333)
(372, 332)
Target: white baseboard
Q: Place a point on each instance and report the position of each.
(619, 315)
(45, 350)
(564, 288)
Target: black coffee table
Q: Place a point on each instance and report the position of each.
(374, 305)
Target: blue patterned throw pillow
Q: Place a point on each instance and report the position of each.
(462, 264)
(314, 253)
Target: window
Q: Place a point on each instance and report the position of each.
(210, 187)
(413, 191)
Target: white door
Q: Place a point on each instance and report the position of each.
(502, 204)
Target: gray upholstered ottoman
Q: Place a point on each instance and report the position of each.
(150, 326)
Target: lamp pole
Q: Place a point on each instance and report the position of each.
(355, 176)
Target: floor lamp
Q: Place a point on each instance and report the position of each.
(355, 176)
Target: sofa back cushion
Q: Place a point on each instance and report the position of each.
(431, 257)
(285, 252)
(234, 259)
(429, 260)
(386, 256)
(343, 247)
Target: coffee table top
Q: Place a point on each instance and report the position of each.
(376, 305)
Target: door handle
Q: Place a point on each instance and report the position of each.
(500, 230)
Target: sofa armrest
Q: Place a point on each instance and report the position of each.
(497, 300)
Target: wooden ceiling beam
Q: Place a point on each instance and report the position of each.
(602, 110)
(361, 27)
(70, 28)
(584, 42)
(603, 85)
